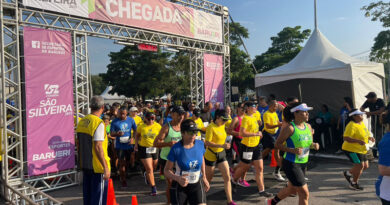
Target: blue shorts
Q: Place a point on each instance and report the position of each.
(94, 188)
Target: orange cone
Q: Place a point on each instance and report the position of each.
(111, 194)
(134, 200)
(273, 160)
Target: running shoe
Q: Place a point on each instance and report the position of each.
(306, 179)
(232, 203)
(154, 191)
(162, 177)
(265, 194)
(339, 151)
(347, 176)
(146, 180)
(243, 183)
(356, 187)
(278, 177)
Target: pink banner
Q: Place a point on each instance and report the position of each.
(49, 100)
(213, 78)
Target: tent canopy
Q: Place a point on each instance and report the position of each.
(323, 74)
(111, 98)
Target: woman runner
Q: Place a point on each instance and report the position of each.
(146, 133)
(298, 136)
(189, 182)
(216, 151)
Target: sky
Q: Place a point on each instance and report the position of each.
(341, 21)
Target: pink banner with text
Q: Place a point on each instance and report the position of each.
(213, 78)
(49, 100)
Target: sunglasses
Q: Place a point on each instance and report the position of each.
(225, 120)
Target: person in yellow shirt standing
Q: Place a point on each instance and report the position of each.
(199, 123)
(250, 150)
(144, 139)
(270, 134)
(355, 146)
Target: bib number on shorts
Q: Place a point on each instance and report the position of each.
(124, 139)
(192, 177)
(151, 150)
(247, 155)
(305, 153)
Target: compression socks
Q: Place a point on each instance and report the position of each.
(277, 169)
(275, 200)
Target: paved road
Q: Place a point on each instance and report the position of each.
(327, 187)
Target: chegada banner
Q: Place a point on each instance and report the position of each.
(158, 15)
(213, 78)
(49, 100)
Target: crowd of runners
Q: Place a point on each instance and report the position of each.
(185, 143)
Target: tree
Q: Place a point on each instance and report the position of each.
(285, 46)
(378, 11)
(241, 71)
(380, 51)
(98, 85)
(137, 73)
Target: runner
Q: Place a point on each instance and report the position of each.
(270, 134)
(355, 146)
(168, 136)
(250, 151)
(190, 112)
(146, 133)
(120, 128)
(199, 123)
(234, 130)
(189, 183)
(295, 140)
(216, 151)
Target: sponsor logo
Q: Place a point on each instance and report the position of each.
(52, 90)
(193, 164)
(35, 44)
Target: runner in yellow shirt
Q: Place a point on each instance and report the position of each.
(199, 123)
(146, 134)
(355, 146)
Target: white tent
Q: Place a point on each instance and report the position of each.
(111, 98)
(322, 74)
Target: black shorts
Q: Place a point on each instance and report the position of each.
(143, 155)
(162, 163)
(356, 158)
(268, 140)
(294, 173)
(221, 157)
(124, 154)
(385, 202)
(256, 153)
(192, 194)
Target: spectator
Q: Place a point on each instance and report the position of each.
(92, 152)
(206, 113)
(342, 122)
(325, 114)
(376, 107)
(217, 106)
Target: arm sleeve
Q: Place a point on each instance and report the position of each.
(266, 118)
(349, 131)
(99, 133)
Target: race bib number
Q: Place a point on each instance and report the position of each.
(124, 139)
(192, 177)
(151, 150)
(247, 155)
(205, 124)
(305, 153)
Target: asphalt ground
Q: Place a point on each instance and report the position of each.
(326, 184)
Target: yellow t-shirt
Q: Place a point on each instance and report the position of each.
(249, 123)
(358, 132)
(227, 124)
(138, 121)
(271, 118)
(199, 124)
(257, 115)
(148, 134)
(217, 135)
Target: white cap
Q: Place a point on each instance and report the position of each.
(133, 109)
(356, 112)
(301, 107)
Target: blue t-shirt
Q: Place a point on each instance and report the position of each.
(187, 159)
(262, 110)
(344, 115)
(167, 119)
(125, 126)
(384, 160)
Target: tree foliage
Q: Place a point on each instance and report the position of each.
(98, 85)
(380, 51)
(378, 11)
(285, 46)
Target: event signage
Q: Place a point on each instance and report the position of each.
(157, 15)
(213, 78)
(147, 47)
(49, 100)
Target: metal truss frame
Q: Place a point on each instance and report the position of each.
(20, 189)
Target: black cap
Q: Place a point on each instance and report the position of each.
(250, 104)
(178, 109)
(188, 125)
(222, 114)
(371, 95)
(196, 112)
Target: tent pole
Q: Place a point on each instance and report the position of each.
(300, 90)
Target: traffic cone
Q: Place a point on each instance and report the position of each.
(273, 160)
(134, 200)
(111, 194)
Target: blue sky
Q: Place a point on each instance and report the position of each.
(341, 21)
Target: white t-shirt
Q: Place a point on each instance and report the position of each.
(99, 133)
